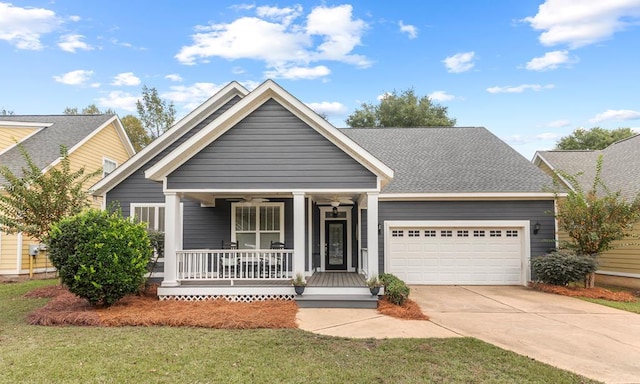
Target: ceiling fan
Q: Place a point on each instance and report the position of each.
(249, 200)
(336, 200)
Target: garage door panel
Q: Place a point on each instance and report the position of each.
(457, 255)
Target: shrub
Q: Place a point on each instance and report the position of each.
(100, 256)
(395, 289)
(563, 267)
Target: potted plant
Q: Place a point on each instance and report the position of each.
(299, 283)
(374, 285)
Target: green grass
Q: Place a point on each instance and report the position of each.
(36, 354)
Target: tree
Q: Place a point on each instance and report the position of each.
(6, 112)
(90, 109)
(403, 109)
(596, 217)
(137, 134)
(155, 114)
(593, 139)
(32, 202)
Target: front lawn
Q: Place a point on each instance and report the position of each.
(34, 354)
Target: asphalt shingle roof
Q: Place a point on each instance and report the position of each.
(44, 146)
(620, 165)
(449, 160)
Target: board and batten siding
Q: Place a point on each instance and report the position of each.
(271, 149)
(535, 210)
(137, 189)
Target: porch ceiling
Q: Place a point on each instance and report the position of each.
(208, 198)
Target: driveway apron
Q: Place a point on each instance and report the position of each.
(592, 340)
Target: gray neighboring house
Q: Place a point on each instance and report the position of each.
(252, 188)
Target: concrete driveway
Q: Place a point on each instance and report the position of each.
(595, 341)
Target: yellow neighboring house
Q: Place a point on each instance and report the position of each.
(620, 172)
(93, 142)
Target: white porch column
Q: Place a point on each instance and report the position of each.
(171, 238)
(298, 233)
(372, 233)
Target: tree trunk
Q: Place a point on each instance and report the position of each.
(590, 280)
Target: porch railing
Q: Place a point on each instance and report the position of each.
(229, 264)
(364, 260)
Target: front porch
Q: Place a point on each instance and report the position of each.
(324, 289)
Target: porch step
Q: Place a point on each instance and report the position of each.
(336, 301)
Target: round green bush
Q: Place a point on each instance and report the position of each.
(394, 288)
(563, 267)
(100, 256)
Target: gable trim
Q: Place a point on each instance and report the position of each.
(267, 90)
(183, 126)
(35, 132)
(538, 158)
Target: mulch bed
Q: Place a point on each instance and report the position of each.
(592, 293)
(145, 310)
(408, 311)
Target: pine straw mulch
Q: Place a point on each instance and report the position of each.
(407, 311)
(145, 310)
(591, 293)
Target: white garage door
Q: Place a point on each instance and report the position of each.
(473, 256)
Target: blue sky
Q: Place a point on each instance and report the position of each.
(530, 71)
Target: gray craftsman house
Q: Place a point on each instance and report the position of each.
(252, 188)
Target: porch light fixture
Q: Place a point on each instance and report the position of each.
(335, 205)
(536, 228)
(379, 229)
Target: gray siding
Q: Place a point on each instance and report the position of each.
(137, 189)
(271, 149)
(474, 210)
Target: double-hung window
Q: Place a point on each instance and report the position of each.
(255, 226)
(152, 214)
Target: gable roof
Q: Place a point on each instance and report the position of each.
(55, 130)
(449, 160)
(620, 164)
(266, 91)
(219, 99)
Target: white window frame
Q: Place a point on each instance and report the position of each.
(106, 160)
(156, 206)
(257, 206)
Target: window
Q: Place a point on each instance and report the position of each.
(512, 233)
(108, 166)
(256, 226)
(495, 233)
(446, 233)
(463, 233)
(397, 233)
(413, 233)
(152, 214)
(429, 233)
(478, 233)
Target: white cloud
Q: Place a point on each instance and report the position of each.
(23, 27)
(71, 43)
(77, 77)
(297, 73)
(174, 77)
(460, 62)
(191, 96)
(409, 29)
(616, 115)
(559, 123)
(548, 136)
(329, 108)
(582, 22)
(74, 18)
(527, 139)
(519, 88)
(126, 78)
(119, 100)
(441, 96)
(280, 39)
(550, 60)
